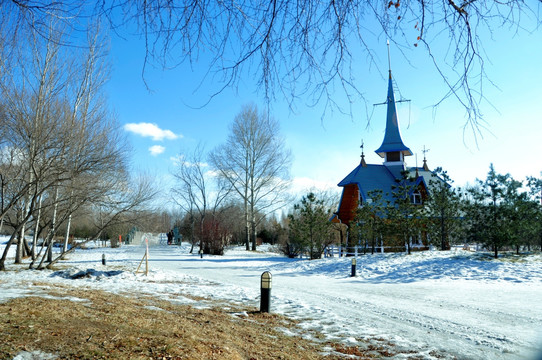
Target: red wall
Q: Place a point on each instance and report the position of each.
(349, 203)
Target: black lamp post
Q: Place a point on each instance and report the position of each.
(353, 267)
(265, 299)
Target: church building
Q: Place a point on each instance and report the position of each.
(368, 177)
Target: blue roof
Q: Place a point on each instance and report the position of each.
(371, 177)
(392, 137)
(382, 177)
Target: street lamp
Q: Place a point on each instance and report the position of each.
(265, 299)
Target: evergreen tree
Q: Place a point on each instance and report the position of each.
(535, 192)
(406, 216)
(528, 221)
(369, 223)
(310, 228)
(442, 210)
(494, 210)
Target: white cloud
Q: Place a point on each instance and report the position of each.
(180, 159)
(156, 149)
(177, 159)
(302, 185)
(151, 130)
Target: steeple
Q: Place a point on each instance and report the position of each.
(362, 162)
(392, 149)
(425, 167)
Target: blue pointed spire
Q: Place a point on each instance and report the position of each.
(392, 138)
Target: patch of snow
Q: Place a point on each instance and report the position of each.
(34, 355)
(452, 304)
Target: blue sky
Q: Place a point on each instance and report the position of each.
(167, 119)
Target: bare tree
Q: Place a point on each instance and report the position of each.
(304, 47)
(123, 201)
(198, 191)
(255, 162)
(61, 149)
(87, 115)
(31, 87)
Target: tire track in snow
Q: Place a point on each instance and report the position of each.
(411, 324)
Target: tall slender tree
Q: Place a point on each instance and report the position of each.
(60, 148)
(256, 163)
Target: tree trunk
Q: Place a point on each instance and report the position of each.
(48, 252)
(19, 250)
(36, 228)
(201, 244)
(247, 227)
(53, 229)
(442, 234)
(26, 248)
(8, 245)
(253, 229)
(50, 244)
(66, 239)
(4, 255)
(43, 247)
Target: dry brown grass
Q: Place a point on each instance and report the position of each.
(107, 326)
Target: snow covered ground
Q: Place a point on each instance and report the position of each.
(454, 304)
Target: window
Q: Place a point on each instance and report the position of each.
(416, 198)
(394, 156)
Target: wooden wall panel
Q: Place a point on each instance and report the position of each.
(349, 203)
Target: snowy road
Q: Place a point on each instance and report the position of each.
(481, 316)
(429, 305)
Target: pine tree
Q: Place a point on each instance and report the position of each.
(406, 217)
(369, 223)
(442, 210)
(310, 228)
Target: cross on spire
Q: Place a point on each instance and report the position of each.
(392, 149)
(425, 151)
(389, 57)
(362, 163)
